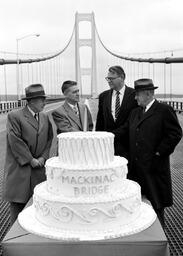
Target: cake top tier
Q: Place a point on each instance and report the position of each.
(75, 135)
(86, 148)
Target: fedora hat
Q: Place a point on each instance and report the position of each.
(144, 84)
(34, 91)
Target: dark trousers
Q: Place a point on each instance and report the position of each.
(161, 217)
(15, 209)
(159, 212)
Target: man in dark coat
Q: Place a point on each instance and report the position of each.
(29, 137)
(113, 111)
(153, 131)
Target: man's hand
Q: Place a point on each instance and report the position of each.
(34, 163)
(41, 161)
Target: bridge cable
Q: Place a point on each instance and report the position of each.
(166, 60)
(22, 61)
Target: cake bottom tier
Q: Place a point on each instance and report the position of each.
(82, 219)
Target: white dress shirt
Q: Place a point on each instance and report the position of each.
(149, 105)
(113, 101)
(74, 107)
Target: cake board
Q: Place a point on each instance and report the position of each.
(28, 221)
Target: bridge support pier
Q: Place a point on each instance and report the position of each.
(86, 42)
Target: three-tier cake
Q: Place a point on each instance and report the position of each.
(86, 195)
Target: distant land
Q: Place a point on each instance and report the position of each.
(162, 95)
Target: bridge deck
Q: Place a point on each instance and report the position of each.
(174, 219)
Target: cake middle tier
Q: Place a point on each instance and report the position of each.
(85, 182)
(86, 148)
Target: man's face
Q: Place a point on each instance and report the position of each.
(72, 94)
(115, 81)
(37, 104)
(142, 98)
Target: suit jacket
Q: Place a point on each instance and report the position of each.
(26, 139)
(105, 120)
(67, 121)
(157, 130)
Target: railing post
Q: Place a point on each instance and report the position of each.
(19, 103)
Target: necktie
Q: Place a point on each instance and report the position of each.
(76, 110)
(36, 116)
(117, 105)
(144, 110)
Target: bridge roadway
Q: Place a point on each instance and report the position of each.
(174, 215)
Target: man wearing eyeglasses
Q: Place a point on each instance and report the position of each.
(115, 106)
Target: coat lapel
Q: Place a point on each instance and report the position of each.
(71, 114)
(108, 104)
(30, 119)
(149, 113)
(81, 113)
(127, 93)
(41, 122)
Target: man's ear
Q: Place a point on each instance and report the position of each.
(65, 92)
(149, 93)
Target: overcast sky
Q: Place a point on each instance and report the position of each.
(124, 25)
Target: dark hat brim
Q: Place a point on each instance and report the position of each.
(34, 97)
(146, 88)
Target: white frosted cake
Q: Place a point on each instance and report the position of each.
(86, 195)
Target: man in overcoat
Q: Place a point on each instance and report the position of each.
(29, 137)
(72, 115)
(153, 131)
(115, 106)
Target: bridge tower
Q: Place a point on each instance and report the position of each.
(90, 42)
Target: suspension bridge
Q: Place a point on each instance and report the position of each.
(86, 60)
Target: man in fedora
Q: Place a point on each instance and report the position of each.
(153, 131)
(29, 137)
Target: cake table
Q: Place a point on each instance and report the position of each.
(152, 241)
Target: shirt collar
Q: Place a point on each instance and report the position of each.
(122, 90)
(32, 112)
(150, 104)
(71, 105)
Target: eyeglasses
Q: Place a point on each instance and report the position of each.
(108, 79)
